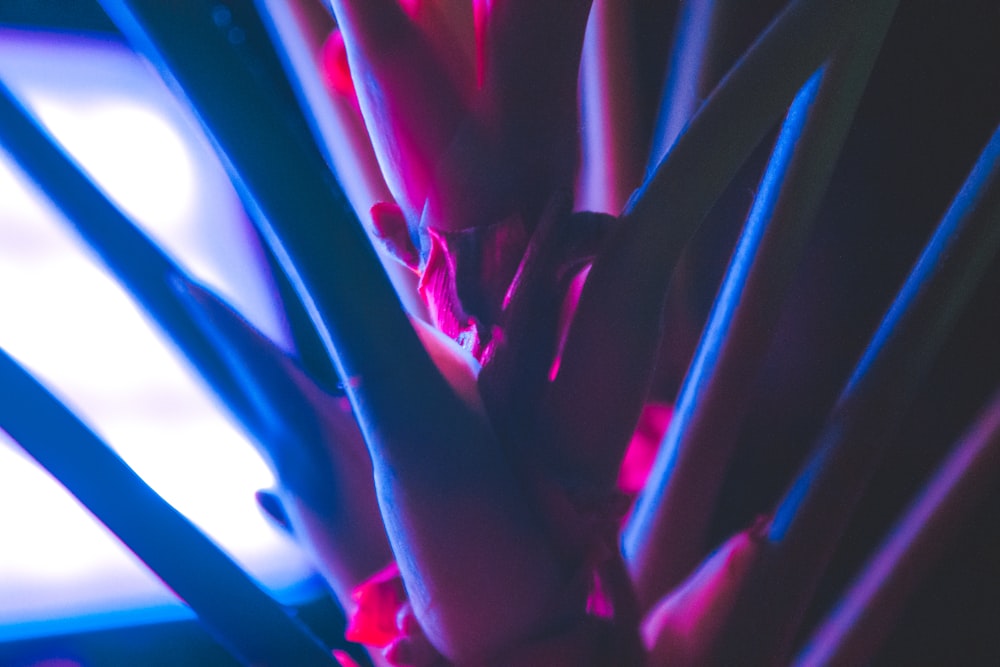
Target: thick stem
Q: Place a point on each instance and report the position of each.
(480, 569)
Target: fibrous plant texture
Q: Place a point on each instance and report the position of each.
(680, 335)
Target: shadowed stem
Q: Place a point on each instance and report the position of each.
(666, 535)
(614, 339)
(854, 631)
(812, 516)
(241, 616)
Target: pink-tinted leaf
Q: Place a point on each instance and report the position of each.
(377, 603)
(344, 659)
(642, 448)
(335, 68)
(682, 628)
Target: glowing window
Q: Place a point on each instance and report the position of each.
(64, 318)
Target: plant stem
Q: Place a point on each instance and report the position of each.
(854, 631)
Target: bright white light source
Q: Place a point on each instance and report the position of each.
(131, 151)
(71, 324)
